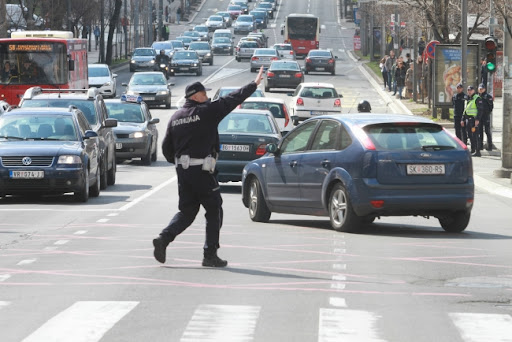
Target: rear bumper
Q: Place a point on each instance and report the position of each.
(230, 170)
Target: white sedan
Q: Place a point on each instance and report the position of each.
(101, 77)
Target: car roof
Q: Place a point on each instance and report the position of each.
(251, 111)
(40, 110)
(265, 99)
(317, 84)
(148, 73)
(376, 118)
(97, 66)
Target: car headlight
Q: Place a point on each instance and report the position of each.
(132, 61)
(136, 135)
(208, 54)
(152, 61)
(162, 92)
(107, 84)
(68, 159)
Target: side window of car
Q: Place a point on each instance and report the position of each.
(83, 124)
(326, 137)
(298, 140)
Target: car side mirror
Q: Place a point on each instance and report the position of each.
(336, 57)
(124, 84)
(90, 134)
(170, 84)
(271, 148)
(114, 75)
(154, 121)
(111, 122)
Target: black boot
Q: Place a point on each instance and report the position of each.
(212, 260)
(160, 245)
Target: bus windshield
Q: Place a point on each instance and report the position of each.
(302, 28)
(33, 63)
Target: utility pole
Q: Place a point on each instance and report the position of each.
(490, 81)
(464, 43)
(126, 29)
(160, 23)
(102, 32)
(414, 59)
(136, 24)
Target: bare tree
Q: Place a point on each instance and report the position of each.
(3, 22)
(114, 20)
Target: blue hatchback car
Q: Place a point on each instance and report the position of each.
(356, 168)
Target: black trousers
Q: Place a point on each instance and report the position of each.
(197, 187)
(460, 131)
(472, 134)
(485, 126)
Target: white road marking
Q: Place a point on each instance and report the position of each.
(340, 251)
(347, 325)
(50, 248)
(80, 232)
(338, 286)
(2, 304)
(82, 322)
(339, 266)
(338, 302)
(4, 277)
(103, 220)
(113, 214)
(147, 194)
(475, 327)
(26, 262)
(491, 187)
(61, 242)
(222, 323)
(339, 277)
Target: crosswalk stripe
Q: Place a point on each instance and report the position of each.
(474, 327)
(222, 323)
(347, 325)
(82, 322)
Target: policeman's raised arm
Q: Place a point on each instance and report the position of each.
(259, 77)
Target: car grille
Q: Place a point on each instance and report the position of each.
(122, 135)
(36, 161)
(35, 184)
(147, 94)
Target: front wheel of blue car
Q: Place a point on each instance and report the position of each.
(342, 216)
(258, 210)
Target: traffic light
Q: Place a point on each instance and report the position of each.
(491, 45)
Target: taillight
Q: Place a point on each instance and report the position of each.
(274, 58)
(261, 150)
(377, 204)
(298, 75)
(308, 60)
(331, 61)
(291, 52)
(254, 58)
(286, 116)
(363, 138)
(337, 103)
(300, 102)
(237, 48)
(317, 45)
(270, 74)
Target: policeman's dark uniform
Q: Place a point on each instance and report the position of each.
(459, 104)
(485, 119)
(192, 131)
(472, 113)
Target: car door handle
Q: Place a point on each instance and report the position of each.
(293, 163)
(326, 163)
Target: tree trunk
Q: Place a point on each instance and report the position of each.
(111, 28)
(3, 22)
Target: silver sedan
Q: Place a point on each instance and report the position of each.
(263, 57)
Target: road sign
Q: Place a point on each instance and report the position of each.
(430, 49)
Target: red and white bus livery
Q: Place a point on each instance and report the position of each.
(48, 59)
(302, 31)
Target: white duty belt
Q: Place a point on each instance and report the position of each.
(185, 161)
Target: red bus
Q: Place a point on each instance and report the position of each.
(303, 32)
(48, 59)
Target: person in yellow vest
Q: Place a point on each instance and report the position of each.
(471, 119)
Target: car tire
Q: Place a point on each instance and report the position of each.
(306, 72)
(146, 160)
(231, 52)
(238, 59)
(168, 105)
(104, 174)
(94, 190)
(154, 155)
(341, 214)
(111, 174)
(211, 62)
(295, 122)
(267, 89)
(258, 210)
(83, 194)
(253, 70)
(455, 222)
(333, 72)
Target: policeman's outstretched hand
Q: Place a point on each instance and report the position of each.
(259, 76)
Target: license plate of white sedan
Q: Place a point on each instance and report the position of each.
(234, 148)
(425, 169)
(119, 146)
(26, 174)
(316, 112)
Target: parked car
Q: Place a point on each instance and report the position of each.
(223, 91)
(227, 18)
(283, 74)
(276, 106)
(100, 76)
(136, 133)
(222, 45)
(263, 57)
(243, 135)
(186, 62)
(215, 22)
(245, 50)
(311, 99)
(48, 151)
(203, 31)
(355, 168)
(152, 86)
(244, 24)
(320, 60)
(204, 51)
(143, 59)
(285, 51)
(91, 104)
(261, 18)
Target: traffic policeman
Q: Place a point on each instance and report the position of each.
(485, 120)
(192, 144)
(471, 118)
(459, 104)
(364, 107)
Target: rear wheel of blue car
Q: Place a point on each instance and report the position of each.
(342, 216)
(258, 210)
(456, 222)
(83, 194)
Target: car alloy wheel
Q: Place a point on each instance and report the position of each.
(258, 210)
(342, 216)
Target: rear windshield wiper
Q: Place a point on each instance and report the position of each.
(41, 138)
(437, 147)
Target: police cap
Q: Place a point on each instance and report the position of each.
(194, 88)
(481, 86)
(459, 85)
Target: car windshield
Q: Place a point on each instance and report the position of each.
(201, 29)
(265, 52)
(319, 54)
(144, 52)
(184, 55)
(410, 136)
(86, 106)
(125, 112)
(284, 66)
(185, 39)
(225, 91)
(162, 46)
(283, 47)
(258, 14)
(265, 5)
(252, 45)
(98, 72)
(245, 123)
(199, 46)
(234, 8)
(275, 108)
(319, 92)
(38, 126)
(224, 14)
(243, 18)
(191, 34)
(221, 40)
(216, 18)
(177, 44)
(148, 79)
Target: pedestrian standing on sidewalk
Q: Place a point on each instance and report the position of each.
(483, 71)
(471, 118)
(389, 67)
(178, 15)
(192, 144)
(400, 77)
(384, 72)
(459, 103)
(485, 120)
(408, 81)
(97, 35)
